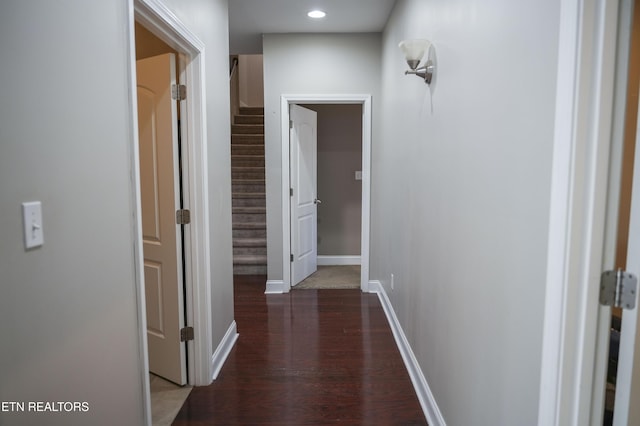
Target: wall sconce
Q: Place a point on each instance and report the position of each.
(413, 51)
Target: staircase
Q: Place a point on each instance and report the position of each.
(248, 193)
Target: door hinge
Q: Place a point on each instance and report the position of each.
(291, 257)
(178, 92)
(183, 217)
(618, 289)
(290, 124)
(186, 334)
(290, 192)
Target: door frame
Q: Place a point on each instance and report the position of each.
(359, 99)
(163, 23)
(583, 211)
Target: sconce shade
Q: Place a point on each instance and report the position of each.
(414, 51)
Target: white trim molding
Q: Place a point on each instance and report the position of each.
(365, 101)
(275, 287)
(425, 396)
(162, 22)
(224, 348)
(579, 182)
(324, 260)
(134, 154)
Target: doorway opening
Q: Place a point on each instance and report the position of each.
(333, 249)
(338, 162)
(187, 48)
(161, 192)
(248, 194)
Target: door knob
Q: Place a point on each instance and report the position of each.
(316, 201)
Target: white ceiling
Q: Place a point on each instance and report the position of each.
(249, 19)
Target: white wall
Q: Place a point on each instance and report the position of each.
(460, 200)
(68, 314)
(309, 64)
(68, 309)
(251, 80)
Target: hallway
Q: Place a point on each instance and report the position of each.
(308, 357)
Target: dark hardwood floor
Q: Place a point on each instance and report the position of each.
(310, 357)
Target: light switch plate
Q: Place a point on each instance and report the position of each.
(358, 175)
(32, 218)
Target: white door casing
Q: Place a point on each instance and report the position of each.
(304, 183)
(580, 241)
(155, 16)
(286, 100)
(620, 43)
(159, 182)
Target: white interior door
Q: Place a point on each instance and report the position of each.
(159, 180)
(627, 402)
(304, 182)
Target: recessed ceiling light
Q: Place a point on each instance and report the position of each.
(316, 14)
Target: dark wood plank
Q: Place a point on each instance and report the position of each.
(310, 357)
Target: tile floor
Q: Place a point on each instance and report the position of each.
(166, 400)
(337, 276)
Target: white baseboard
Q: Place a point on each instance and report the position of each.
(375, 286)
(427, 401)
(223, 349)
(324, 260)
(274, 287)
